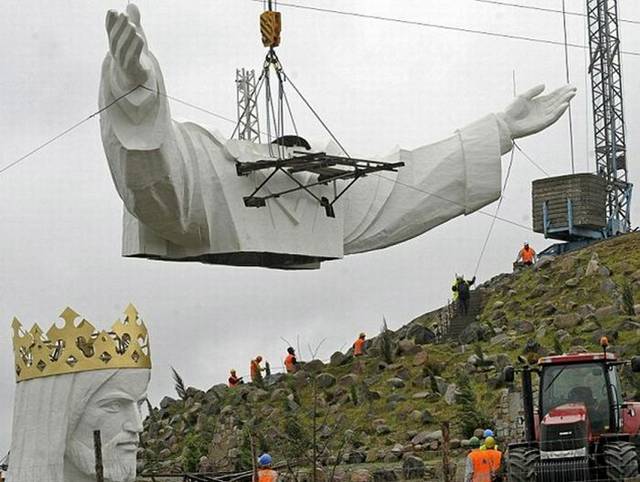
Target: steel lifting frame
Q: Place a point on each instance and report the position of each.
(328, 168)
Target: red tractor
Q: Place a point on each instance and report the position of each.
(582, 429)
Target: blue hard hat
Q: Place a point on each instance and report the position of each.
(265, 459)
(488, 433)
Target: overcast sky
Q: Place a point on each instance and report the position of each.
(377, 85)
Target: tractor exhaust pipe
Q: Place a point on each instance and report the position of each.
(527, 403)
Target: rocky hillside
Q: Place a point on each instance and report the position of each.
(385, 410)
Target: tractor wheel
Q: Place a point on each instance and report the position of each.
(522, 464)
(621, 461)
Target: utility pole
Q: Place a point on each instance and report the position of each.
(97, 446)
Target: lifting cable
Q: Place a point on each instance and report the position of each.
(587, 90)
(531, 161)
(543, 9)
(442, 27)
(493, 221)
(66, 131)
(504, 188)
(566, 66)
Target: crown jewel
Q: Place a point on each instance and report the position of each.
(80, 347)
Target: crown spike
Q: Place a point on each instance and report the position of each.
(68, 315)
(131, 313)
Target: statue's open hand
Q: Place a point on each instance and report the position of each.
(127, 44)
(530, 113)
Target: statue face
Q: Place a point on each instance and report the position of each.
(114, 409)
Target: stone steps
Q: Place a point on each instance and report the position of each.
(458, 323)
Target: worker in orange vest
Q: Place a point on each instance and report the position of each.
(265, 472)
(358, 345)
(291, 362)
(527, 255)
(255, 369)
(234, 379)
(479, 466)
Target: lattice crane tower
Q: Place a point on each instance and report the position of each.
(248, 123)
(608, 115)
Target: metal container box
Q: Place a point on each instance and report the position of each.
(573, 206)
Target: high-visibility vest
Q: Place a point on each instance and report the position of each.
(482, 466)
(255, 369)
(484, 447)
(290, 364)
(527, 255)
(358, 346)
(495, 457)
(267, 475)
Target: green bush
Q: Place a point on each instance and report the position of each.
(470, 413)
(195, 447)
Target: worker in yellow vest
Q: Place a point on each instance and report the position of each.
(495, 458)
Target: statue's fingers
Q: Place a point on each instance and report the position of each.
(132, 58)
(117, 31)
(134, 13)
(125, 43)
(110, 20)
(533, 92)
(562, 96)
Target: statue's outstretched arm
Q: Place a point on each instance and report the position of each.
(440, 181)
(152, 174)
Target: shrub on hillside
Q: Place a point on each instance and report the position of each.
(470, 414)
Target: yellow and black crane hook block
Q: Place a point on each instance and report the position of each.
(270, 28)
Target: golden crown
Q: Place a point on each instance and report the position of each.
(80, 348)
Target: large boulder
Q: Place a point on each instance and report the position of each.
(257, 395)
(349, 379)
(338, 358)
(451, 394)
(384, 475)
(325, 380)
(314, 366)
(473, 333)
(425, 437)
(606, 312)
(421, 335)
(407, 347)
(524, 327)
(356, 457)
(568, 320)
(421, 358)
(412, 467)
(360, 475)
(396, 382)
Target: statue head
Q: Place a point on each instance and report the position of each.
(55, 415)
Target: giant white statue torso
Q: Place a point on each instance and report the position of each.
(184, 200)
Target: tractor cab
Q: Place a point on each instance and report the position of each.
(583, 386)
